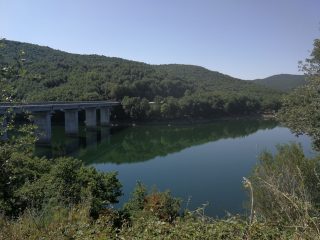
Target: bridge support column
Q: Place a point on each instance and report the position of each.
(71, 122)
(91, 118)
(105, 116)
(43, 122)
(3, 132)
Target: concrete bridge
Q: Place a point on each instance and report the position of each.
(41, 115)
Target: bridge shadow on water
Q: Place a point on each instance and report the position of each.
(121, 145)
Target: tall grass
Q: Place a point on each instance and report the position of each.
(287, 189)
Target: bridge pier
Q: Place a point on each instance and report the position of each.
(43, 122)
(42, 116)
(4, 133)
(91, 118)
(71, 122)
(105, 116)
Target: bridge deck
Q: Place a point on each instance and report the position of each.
(53, 106)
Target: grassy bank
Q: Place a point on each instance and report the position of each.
(186, 121)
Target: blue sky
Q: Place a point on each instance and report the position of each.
(243, 38)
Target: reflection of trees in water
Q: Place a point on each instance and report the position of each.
(146, 142)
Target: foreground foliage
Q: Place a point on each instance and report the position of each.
(286, 189)
(28, 181)
(285, 196)
(76, 224)
(300, 111)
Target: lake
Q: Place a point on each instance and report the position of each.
(199, 163)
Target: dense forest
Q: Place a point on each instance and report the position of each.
(174, 90)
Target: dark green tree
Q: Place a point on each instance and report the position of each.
(135, 107)
(301, 108)
(31, 182)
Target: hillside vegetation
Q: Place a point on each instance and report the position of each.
(282, 82)
(53, 75)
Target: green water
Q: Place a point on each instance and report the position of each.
(200, 163)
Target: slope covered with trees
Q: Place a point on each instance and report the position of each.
(53, 75)
(282, 82)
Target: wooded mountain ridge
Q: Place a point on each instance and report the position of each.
(56, 75)
(45, 74)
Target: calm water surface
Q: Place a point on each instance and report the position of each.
(204, 163)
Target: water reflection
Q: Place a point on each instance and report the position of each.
(91, 139)
(142, 143)
(104, 134)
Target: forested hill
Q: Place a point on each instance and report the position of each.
(49, 74)
(282, 82)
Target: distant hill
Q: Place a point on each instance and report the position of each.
(57, 75)
(282, 82)
(46, 74)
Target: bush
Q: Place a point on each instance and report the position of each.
(75, 223)
(58, 223)
(286, 188)
(31, 182)
(159, 204)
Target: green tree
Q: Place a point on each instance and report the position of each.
(160, 204)
(135, 107)
(301, 108)
(31, 182)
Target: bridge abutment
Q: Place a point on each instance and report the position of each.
(43, 122)
(71, 122)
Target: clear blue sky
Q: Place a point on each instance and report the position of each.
(243, 38)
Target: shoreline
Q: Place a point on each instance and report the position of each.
(180, 121)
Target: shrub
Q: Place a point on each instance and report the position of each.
(160, 204)
(28, 181)
(286, 188)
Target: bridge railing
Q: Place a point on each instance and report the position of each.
(55, 102)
